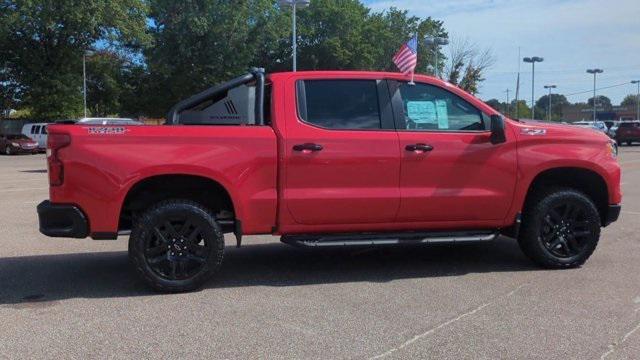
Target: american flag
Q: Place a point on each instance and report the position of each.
(407, 57)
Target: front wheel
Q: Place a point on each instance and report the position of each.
(176, 246)
(8, 151)
(560, 229)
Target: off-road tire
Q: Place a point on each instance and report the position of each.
(156, 216)
(534, 219)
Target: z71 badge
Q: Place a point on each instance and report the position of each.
(107, 130)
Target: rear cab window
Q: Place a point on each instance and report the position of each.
(341, 104)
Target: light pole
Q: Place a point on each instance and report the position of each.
(549, 98)
(533, 60)
(594, 72)
(507, 109)
(637, 82)
(294, 4)
(84, 79)
(436, 42)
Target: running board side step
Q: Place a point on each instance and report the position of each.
(369, 239)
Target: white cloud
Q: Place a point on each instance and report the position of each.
(571, 35)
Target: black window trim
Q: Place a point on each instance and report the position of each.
(398, 111)
(387, 118)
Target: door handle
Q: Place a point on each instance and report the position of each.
(419, 147)
(307, 147)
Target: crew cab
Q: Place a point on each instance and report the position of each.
(329, 158)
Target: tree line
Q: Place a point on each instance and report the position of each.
(558, 101)
(142, 56)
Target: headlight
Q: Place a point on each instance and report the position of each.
(15, 144)
(613, 149)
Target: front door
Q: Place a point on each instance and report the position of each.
(342, 161)
(450, 171)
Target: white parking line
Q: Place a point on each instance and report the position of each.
(23, 189)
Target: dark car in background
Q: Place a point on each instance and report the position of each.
(18, 144)
(627, 132)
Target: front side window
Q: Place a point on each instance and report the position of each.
(430, 108)
(339, 104)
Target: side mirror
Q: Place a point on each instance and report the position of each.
(497, 130)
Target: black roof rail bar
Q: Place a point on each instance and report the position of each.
(255, 74)
(258, 73)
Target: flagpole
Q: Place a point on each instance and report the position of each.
(413, 73)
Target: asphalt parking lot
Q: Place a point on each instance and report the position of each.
(68, 298)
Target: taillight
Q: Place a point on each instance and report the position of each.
(55, 142)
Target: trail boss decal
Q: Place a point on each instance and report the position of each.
(106, 130)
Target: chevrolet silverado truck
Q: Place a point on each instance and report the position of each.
(329, 158)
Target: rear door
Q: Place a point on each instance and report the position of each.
(450, 171)
(342, 160)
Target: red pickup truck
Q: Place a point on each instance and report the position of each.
(329, 158)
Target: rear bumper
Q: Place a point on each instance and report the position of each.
(59, 220)
(613, 212)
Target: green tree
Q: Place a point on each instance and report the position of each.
(629, 100)
(467, 64)
(43, 42)
(602, 102)
(557, 102)
(523, 111)
(108, 79)
(200, 43)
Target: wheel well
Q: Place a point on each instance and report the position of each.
(586, 181)
(154, 189)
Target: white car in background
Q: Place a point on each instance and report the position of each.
(596, 125)
(37, 132)
(108, 121)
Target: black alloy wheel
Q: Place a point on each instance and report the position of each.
(176, 245)
(176, 249)
(560, 228)
(566, 230)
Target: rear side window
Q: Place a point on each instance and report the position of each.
(35, 129)
(339, 104)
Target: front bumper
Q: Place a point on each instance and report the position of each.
(60, 220)
(613, 212)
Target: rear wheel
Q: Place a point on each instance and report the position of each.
(176, 246)
(561, 229)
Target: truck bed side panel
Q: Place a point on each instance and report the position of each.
(101, 167)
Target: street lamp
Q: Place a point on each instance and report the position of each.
(594, 72)
(533, 61)
(294, 4)
(84, 79)
(436, 41)
(637, 82)
(549, 98)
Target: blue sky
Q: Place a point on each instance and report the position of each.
(571, 35)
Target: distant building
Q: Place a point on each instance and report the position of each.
(579, 112)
